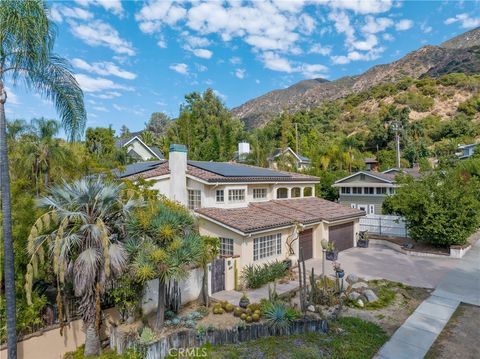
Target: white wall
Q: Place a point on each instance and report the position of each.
(140, 149)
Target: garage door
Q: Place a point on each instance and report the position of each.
(305, 242)
(341, 236)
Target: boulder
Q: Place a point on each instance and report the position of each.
(311, 308)
(360, 285)
(354, 296)
(360, 303)
(370, 295)
(352, 278)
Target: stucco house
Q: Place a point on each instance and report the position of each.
(137, 149)
(252, 210)
(366, 190)
(290, 158)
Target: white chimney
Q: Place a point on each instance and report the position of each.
(177, 163)
(243, 149)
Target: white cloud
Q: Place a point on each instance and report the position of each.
(96, 84)
(369, 43)
(196, 41)
(162, 43)
(273, 61)
(313, 71)
(362, 6)
(257, 81)
(153, 14)
(235, 60)
(403, 25)
(201, 68)
(374, 25)
(425, 28)
(104, 69)
(58, 12)
(321, 50)
(388, 37)
(99, 108)
(343, 25)
(98, 33)
(221, 95)
(12, 98)
(114, 6)
(203, 53)
(240, 73)
(107, 95)
(466, 22)
(357, 56)
(180, 68)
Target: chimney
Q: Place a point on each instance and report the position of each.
(243, 150)
(177, 164)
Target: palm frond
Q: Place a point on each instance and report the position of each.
(86, 268)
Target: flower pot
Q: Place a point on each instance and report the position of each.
(340, 273)
(331, 255)
(243, 302)
(288, 262)
(362, 243)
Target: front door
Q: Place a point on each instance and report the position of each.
(218, 275)
(305, 242)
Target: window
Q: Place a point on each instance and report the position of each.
(391, 190)
(282, 193)
(345, 190)
(307, 192)
(353, 205)
(259, 193)
(194, 199)
(219, 195)
(236, 195)
(226, 246)
(381, 190)
(357, 190)
(371, 209)
(296, 192)
(369, 190)
(267, 246)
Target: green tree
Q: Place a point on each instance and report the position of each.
(85, 227)
(158, 123)
(442, 208)
(163, 246)
(26, 51)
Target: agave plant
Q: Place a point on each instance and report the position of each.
(83, 232)
(278, 315)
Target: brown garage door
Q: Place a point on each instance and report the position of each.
(341, 236)
(305, 242)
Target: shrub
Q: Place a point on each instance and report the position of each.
(278, 315)
(415, 101)
(256, 276)
(471, 106)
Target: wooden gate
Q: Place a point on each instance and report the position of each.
(305, 242)
(218, 275)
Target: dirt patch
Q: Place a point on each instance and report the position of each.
(459, 338)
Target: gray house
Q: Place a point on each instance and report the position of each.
(366, 190)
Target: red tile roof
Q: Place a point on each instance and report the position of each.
(278, 213)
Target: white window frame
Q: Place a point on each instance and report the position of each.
(236, 195)
(299, 192)
(368, 190)
(220, 196)
(281, 188)
(311, 192)
(261, 190)
(357, 190)
(194, 198)
(267, 246)
(226, 246)
(371, 209)
(381, 189)
(345, 190)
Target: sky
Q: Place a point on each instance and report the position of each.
(132, 58)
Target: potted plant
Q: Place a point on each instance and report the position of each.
(339, 272)
(331, 254)
(244, 301)
(362, 241)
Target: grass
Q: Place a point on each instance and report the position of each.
(349, 338)
(386, 292)
(106, 354)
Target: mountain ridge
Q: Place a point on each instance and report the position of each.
(459, 54)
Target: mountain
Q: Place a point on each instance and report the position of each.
(459, 54)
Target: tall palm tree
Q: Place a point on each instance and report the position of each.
(87, 218)
(163, 245)
(26, 44)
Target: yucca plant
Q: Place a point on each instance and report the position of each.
(278, 315)
(83, 232)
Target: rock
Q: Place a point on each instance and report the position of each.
(354, 296)
(311, 308)
(370, 295)
(352, 278)
(360, 285)
(360, 303)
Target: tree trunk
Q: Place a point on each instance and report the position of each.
(205, 286)
(161, 304)
(8, 256)
(92, 340)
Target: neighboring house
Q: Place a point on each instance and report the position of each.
(137, 149)
(252, 210)
(289, 158)
(242, 153)
(371, 164)
(366, 190)
(467, 150)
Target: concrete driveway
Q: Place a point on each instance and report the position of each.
(379, 262)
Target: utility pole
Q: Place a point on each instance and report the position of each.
(296, 137)
(396, 127)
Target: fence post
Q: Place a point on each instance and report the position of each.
(380, 225)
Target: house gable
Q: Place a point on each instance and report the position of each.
(362, 178)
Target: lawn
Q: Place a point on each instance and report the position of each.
(348, 338)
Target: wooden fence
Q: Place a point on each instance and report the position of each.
(191, 339)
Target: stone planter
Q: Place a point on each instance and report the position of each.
(362, 243)
(331, 255)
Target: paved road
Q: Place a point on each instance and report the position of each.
(379, 262)
(415, 337)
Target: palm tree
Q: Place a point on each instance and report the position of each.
(87, 217)
(26, 43)
(163, 245)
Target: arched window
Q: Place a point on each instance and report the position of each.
(307, 192)
(282, 193)
(296, 192)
